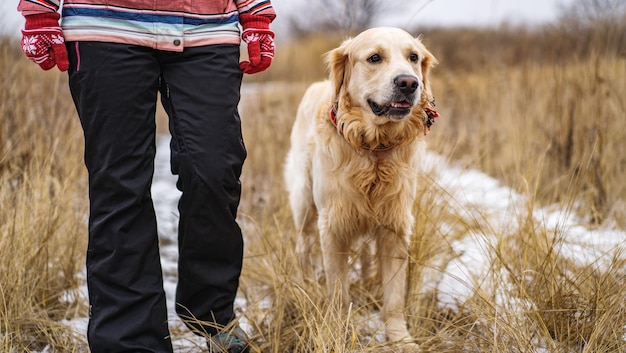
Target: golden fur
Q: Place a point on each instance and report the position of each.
(356, 178)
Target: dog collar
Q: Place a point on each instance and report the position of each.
(431, 115)
(333, 119)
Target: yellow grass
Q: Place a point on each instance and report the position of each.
(543, 129)
(43, 198)
(568, 307)
(551, 129)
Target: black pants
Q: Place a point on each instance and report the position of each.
(114, 87)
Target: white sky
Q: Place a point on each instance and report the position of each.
(484, 12)
(428, 12)
(450, 12)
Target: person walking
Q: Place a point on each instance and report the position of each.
(119, 54)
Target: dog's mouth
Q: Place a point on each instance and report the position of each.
(392, 110)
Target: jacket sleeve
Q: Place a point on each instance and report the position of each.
(33, 7)
(256, 7)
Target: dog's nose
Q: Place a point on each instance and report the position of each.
(407, 84)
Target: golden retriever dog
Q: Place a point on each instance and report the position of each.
(353, 165)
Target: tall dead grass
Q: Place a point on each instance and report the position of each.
(532, 296)
(42, 223)
(537, 107)
(550, 128)
(547, 129)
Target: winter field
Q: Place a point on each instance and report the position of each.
(519, 242)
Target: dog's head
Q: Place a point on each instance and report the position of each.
(382, 71)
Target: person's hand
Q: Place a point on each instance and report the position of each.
(42, 41)
(260, 41)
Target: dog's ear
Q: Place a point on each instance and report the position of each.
(338, 71)
(428, 62)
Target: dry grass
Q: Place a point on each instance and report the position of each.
(543, 129)
(42, 223)
(514, 97)
(553, 302)
(552, 129)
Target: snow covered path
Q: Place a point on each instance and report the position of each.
(497, 209)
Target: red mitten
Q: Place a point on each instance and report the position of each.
(260, 40)
(42, 41)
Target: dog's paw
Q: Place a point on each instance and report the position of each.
(399, 337)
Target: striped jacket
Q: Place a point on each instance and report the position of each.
(160, 24)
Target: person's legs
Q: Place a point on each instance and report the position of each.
(200, 92)
(114, 87)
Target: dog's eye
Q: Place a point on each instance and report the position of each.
(414, 57)
(374, 59)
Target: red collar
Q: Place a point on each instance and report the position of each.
(431, 114)
(333, 118)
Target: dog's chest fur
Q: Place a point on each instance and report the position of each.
(379, 178)
(375, 189)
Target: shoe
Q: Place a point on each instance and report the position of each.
(232, 341)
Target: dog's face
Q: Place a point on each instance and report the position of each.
(384, 71)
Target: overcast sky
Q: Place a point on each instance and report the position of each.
(408, 13)
(428, 12)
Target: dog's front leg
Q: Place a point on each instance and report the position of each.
(393, 257)
(335, 257)
(305, 242)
